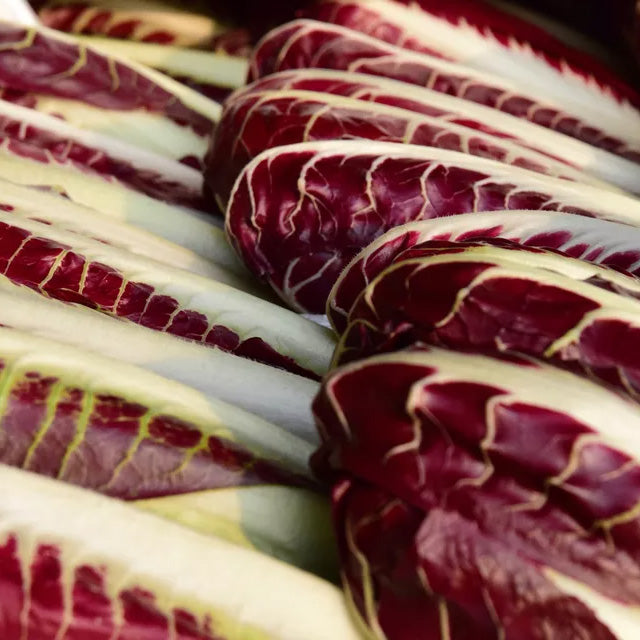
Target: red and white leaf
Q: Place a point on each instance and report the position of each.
(85, 272)
(312, 44)
(95, 422)
(485, 38)
(436, 104)
(278, 396)
(599, 241)
(299, 213)
(486, 298)
(254, 122)
(492, 498)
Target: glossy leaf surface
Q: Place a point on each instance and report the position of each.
(492, 498)
(254, 122)
(600, 241)
(298, 214)
(485, 298)
(117, 429)
(81, 271)
(395, 93)
(46, 61)
(312, 44)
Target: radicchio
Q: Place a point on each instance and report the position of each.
(311, 44)
(214, 75)
(280, 397)
(78, 270)
(439, 105)
(51, 208)
(42, 61)
(254, 122)
(27, 133)
(482, 37)
(299, 213)
(79, 565)
(599, 241)
(29, 166)
(489, 498)
(156, 24)
(487, 298)
(154, 436)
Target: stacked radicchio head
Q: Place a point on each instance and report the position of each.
(451, 186)
(155, 422)
(456, 186)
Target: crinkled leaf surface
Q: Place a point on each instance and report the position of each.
(254, 122)
(505, 28)
(599, 241)
(298, 214)
(486, 298)
(308, 43)
(480, 37)
(492, 498)
(370, 88)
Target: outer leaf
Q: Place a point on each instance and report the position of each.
(33, 167)
(145, 129)
(492, 498)
(456, 32)
(25, 132)
(157, 22)
(54, 209)
(114, 575)
(276, 395)
(107, 94)
(506, 25)
(30, 218)
(488, 298)
(298, 214)
(45, 61)
(215, 75)
(307, 43)
(254, 122)
(89, 273)
(410, 593)
(433, 103)
(599, 241)
(291, 524)
(126, 432)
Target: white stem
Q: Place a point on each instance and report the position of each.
(18, 11)
(212, 68)
(277, 396)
